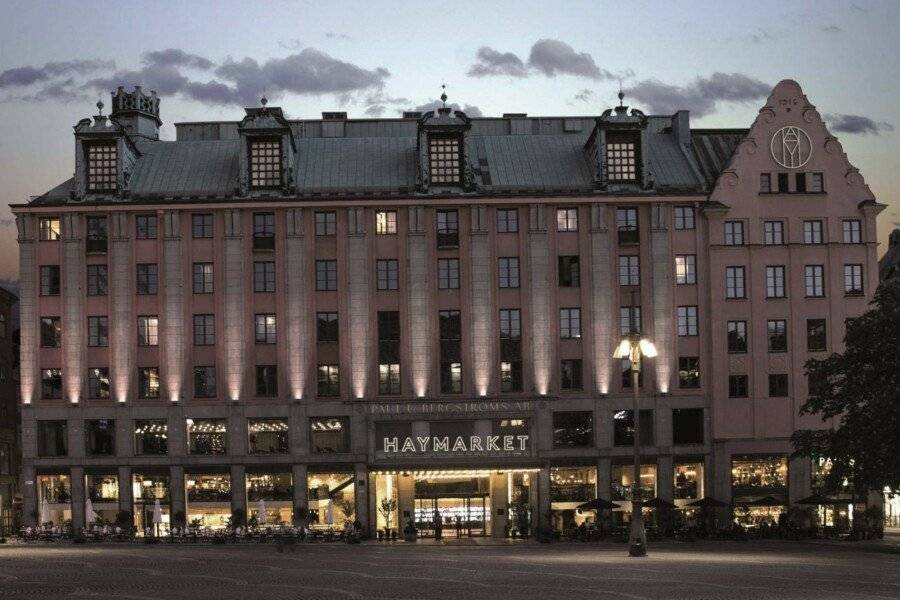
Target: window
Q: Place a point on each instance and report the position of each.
(51, 384)
(326, 223)
(97, 280)
(148, 331)
(265, 163)
(507, 220)
(388, 352)
(800, 183)
(687, 320)
(734, 282)
(629, 320)
(573, 429)
(814, 276)
(567, 219)
(738, 386)
(621, 159)
(685, 269)
(783, 183)
(202, 226)
(815, 335)
(448, 273)
(450, 339)
(102, 171)
(773, 233)
(684, 217)
(387, 273)
(264, 231)
(264, 276)
(53, 438)
(447, 228)
(147, 279)
(326, 275)
(204, 382)
(737, 336)
(204, 330)
(445, 159)
(100, 437)
(508, 272)
(817, 183)
(49, 229)
(148, 382)
(203, 278)
(328, 381)
(569, 323)
(627, 225)
(812, 232)
(265, 328)
(151, 437)
(629, 270)
(777, 335)
(146, 227)
(765, 183)
(385, 222)
(98, 383)
(853, 281)
(687, 426)
(268, 436)
(852, 231)
(51, 332)
(207, 436)
(326, 327)
(570, 374)
(329, 435)
(266, 380)
(688, 372)
(510, 350)
(778, 385)
(50, 280)
(98, 331)
(569, 271)
(96, 235)
(388, 378)
(775, 282)
(623, 427)
(734, 233)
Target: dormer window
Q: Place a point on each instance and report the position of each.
(102, 160)
(621, 158)
(265, 163)
(445, 159)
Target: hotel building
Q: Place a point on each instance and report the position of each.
(334, 313)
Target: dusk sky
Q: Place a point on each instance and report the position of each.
(210, 59)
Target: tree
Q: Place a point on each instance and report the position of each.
(859, 393)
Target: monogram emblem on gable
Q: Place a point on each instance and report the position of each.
(791, 147)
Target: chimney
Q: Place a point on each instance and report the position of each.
(136, 112)
(681, 127)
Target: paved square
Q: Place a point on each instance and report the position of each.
(405, 571)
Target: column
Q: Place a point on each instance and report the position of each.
(541, 324)
(419, 312)
(800, 478)
(126, 496)
(121, 319)
(481, 306)
(601, 294)
(296, 304)
(362, 494)
(665, 477)
(73, 320)
(358, 290)
(30, 507)
(406, 500)
(29, 378)
(173, 307)
(78, 517)
(301, 494)
(661, 259)
(233, 295)
(239, 489)
(176, 495)
(499, 511)
(604, 475)
(541, 515)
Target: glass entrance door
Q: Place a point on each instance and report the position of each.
(459, 516)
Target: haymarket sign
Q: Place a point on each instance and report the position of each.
(484, 445)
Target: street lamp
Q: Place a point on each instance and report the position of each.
(633, 347)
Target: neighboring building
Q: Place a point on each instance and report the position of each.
(331, 313)
(889, 264)
(9, 412)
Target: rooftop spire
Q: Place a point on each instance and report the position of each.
(621, 109)
(264, 100)
(444, 95)
(99, 106)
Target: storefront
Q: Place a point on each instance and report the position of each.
(759, 488)
(273, 492)
(146, 489)
(208, 499)
(103, 491)
(621, 478)
(54, 499)
(570, 487)
(332, 499)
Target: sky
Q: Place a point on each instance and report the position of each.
(210, 59)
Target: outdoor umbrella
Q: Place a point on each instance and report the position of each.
(597, 504)
(45, 511)
(818, 500)
(261, 509)
(657, 503)
(766, 501)
(329, 513)
(707, 502)
(157, 515)
(89, 516)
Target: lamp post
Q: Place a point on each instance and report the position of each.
(633, 347)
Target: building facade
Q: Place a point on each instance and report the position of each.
(383, 319)
(9, 412)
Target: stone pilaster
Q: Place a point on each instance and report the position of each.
(498, 508)
(173, 353)
(542, 341)
(29, 369)
(126, 497)
(73, 319)
(239, 489)
(661, 260)
(77, 501)
(299, 475)
(361, 489)
(601, 295)
(233, 295)
(419, 312)
(542, 509)
(358, 292)
(29, 496)
(296, 304)
(177, 498)
(665, 477)
(121, 318)
(481, 307)
(604, 475)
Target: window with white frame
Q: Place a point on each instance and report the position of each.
(621, 158)
(814, 278)
(853, 280)
(734, 283)
(629, 270)
(102, 167)
(734, 233)
(265, 163)
(687, 320)
(773, 233)
(685, 269)
(852, 231)
(812, 232)
(445, 159)
(775, 282)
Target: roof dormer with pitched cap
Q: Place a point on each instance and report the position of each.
(267, 152)
(104, 159)
(441, 148)
(616, 150)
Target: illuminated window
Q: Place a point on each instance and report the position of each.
(569, 323)
(148, 382)
(268, 436)
(328, 382)
(51, 384)
(688, 372)
(685, 269)
(207, 436)
(49, 227)
(265, 329)
(204, 382)
(98, 382)
(621, 159)
(265, 163)
(51, 332)
(445, 159)
(386, 222)
(567, 219)
(148, 331)
(101, 167)
(151, 437)
(329, 435)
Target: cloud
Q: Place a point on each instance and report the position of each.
(701, 96)
(470, 110)
(492, 62)
(27, 75)
(760, 36)
(856, 124)
(584, 95)
(173, 57)
(553, 57)
(331, 35)
(167, 80)
(377, 103)
(831, 29)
